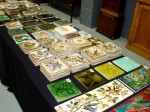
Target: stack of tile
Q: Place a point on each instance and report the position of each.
(112, 49)
(21, 38)
(65, 32)
(94, 55)
(40, 55)
(61, 49)
(45, 38)
(79, 42)
(13, 25)
(30, 45)
(12, 9)
(54, 69)
(76, 62)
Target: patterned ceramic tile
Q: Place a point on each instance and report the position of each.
(126, 63)
(138, 103)
(63, 89)
(137, 79)
(89, 78)
(41, 34)
(55, 66)
(79, 42)
(65, 30)
(22, 38)
(40, 55)
(76, 61)
(94, 54)
(109, 70)
(97, 100)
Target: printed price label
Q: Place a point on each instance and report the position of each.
(68, 80)
(91, 70)
(110, 63)
(146, 67)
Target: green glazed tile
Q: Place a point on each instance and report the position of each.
(63, 89)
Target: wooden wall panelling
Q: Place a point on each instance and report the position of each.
(139, 37)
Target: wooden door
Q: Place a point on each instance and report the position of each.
(139, 38)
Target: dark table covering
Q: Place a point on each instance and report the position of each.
(24, 79)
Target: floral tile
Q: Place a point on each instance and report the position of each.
(97, 100)
(138, 103)
(137, 79)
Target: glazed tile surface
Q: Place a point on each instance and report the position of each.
(138, 103)
(97, 100)
(109, 70)
(94, 52)
(89, 78)
(126, 63)
(64, 89)
(137, 79)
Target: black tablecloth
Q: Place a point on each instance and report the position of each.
(24, 79)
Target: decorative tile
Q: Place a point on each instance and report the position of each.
(61, 48)
(13, 25)
(126, 63)
(21, 38)
(55, 66)
(89, 78)
(29, 45)
(79, 42)
(109, 70)
(64, 89)
(76, 62)
(137, 79)
(94, 54)
(32, 29)
(62, 22)
(95, 41)
(16, 32)
(41, 34)
(97, 100)
(138, 103)
(40, 55)
(65, 30)
(112, 49)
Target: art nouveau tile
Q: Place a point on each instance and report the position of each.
(76, 62)
(94, 54)
(138, 103)
(137, 79)
(97, 100)
(112, 49)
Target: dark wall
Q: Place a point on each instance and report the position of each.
(128, 16)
